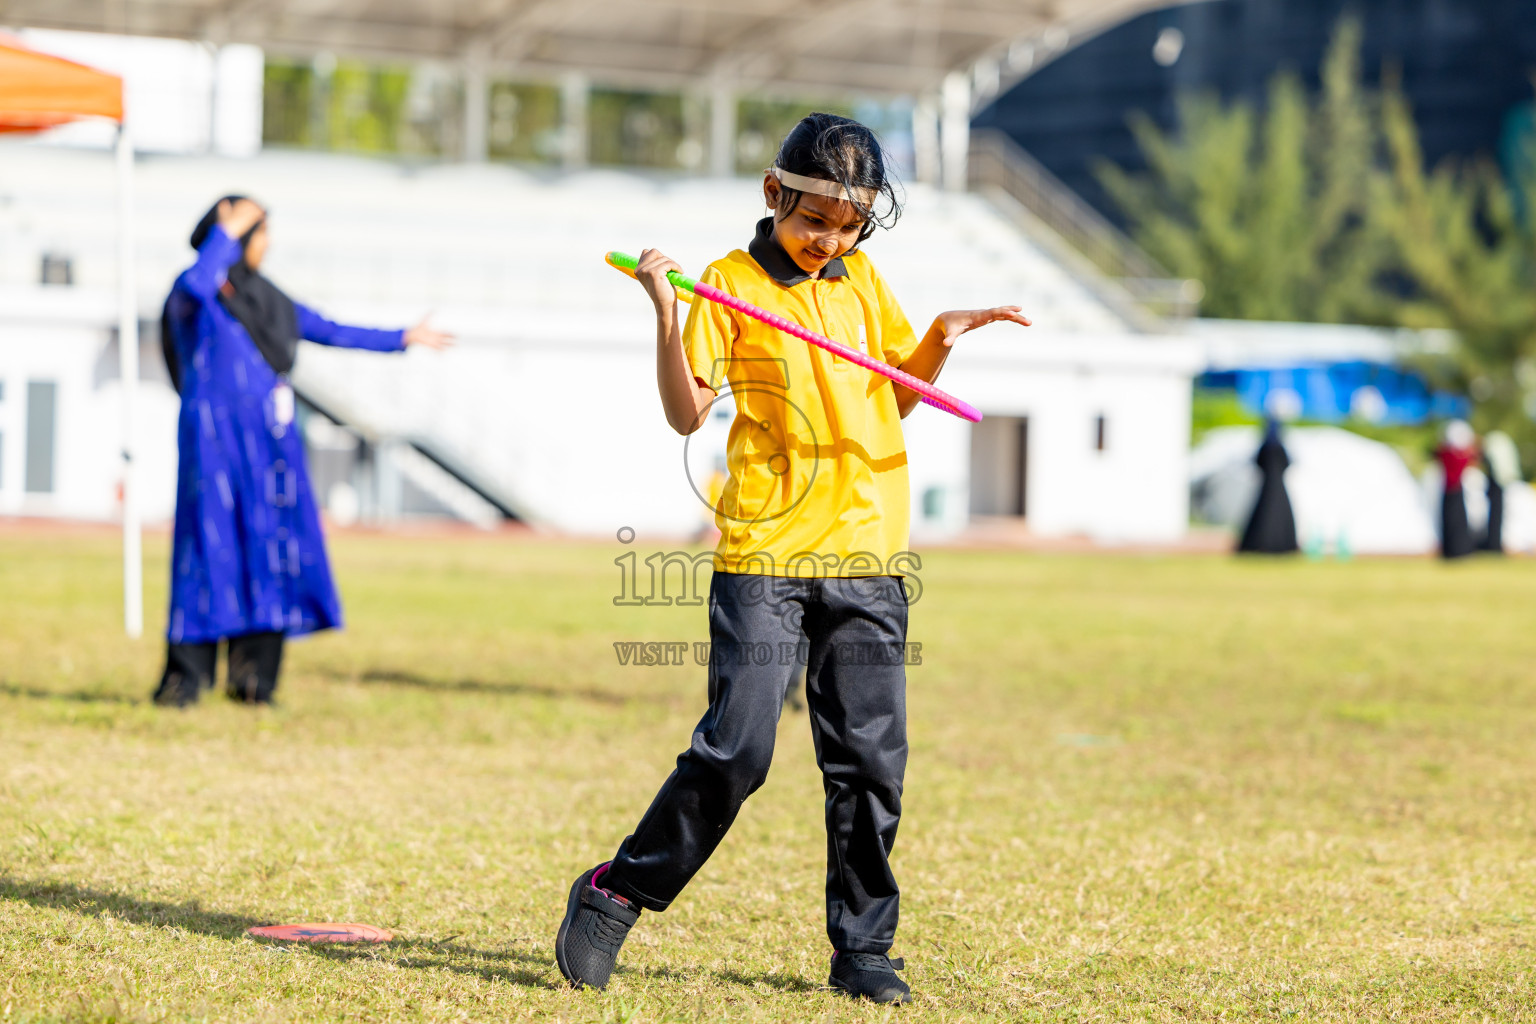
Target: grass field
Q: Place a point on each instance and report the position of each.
(1140, 789)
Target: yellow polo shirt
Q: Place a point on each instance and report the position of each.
(816, 459)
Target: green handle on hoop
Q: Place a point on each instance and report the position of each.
(624, 261)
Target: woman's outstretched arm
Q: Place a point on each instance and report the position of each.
(316, 328)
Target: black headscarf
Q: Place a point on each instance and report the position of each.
(263, 310)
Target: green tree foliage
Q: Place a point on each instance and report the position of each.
(1458, 237)
(1320, 209)
(287, 96)
(360, 107)
(762, 123)
(1269, 210)
(524, 122)
(365, 109)
(640, 129)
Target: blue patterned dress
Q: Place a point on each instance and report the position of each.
(248, 555)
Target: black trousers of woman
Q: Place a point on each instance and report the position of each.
(254, 662)
(1456, 540)
(1493, 536)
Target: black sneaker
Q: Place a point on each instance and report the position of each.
(596, 923)
(868, 976)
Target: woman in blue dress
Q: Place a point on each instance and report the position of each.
(248, 563)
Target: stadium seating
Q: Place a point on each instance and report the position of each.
(547, 405)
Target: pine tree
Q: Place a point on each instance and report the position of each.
(1269, 210)
(1321, 209)
(1469, 258)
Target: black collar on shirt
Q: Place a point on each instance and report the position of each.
(778, 264)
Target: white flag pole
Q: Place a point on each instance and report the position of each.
(128, 371)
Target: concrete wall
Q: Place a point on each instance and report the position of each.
(1134, 490)
(63, 339)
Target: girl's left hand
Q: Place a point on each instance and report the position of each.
(957, 321)
(427, 337)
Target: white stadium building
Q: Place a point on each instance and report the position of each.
(546, 410)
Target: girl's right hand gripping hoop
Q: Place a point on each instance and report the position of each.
(925, 391)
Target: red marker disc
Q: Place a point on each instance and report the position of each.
(322, 933)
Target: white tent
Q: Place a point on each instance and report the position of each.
(37, 92)
(1349, 493)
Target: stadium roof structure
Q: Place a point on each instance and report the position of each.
(871, 47)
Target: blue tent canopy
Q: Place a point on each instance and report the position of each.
(1334, 392)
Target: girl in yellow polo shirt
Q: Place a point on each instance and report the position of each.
(813, 534)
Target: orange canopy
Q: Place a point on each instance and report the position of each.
(38, 91)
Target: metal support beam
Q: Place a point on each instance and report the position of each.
(866, 48)
(925, 139)
(955, 133)
(128, 373)
(477, 88)
(722, 130)
(389, 490)
(573, 121)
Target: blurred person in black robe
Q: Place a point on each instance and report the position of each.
(1501, 464)
(1272, 526)
(1457, 451)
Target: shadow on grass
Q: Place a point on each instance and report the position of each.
(80, 899)
(78, 696)
(386, 677)
(781, 980)
(393, 677)
(513, 966)
(510, 965)
(773, 979)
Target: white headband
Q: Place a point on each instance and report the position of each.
(864, 197)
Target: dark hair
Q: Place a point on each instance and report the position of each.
(200, 233)
(842, 150)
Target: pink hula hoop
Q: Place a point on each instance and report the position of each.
(926, 392)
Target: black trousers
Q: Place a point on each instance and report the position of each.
(1493, 534)
(850, 634)
(1456, 540)
(254, 662)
